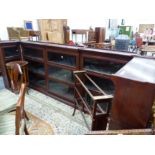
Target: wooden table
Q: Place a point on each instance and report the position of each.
(148, 49)
(24, 73)
(34, 34)
(80, 32)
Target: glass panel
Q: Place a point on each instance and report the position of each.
(62, 58)
(37, 80)
(13, 51)
(33, 52)
(60, 73)
(102, 66)
(106, 85)
(36, 67)
(61, 89)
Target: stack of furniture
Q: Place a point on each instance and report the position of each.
(96, 39)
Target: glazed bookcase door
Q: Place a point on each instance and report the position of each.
(61, 64)
(63, 59)
(102, 66)
(61, 74)
(33, 53)
(63, 90)
(11, 53)
(37, 80)
(36, 66)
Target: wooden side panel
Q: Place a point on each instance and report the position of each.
(132, 104)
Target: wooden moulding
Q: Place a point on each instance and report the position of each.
(149, 131)
(123, 132)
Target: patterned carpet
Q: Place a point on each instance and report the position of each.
(51, 111)
(56, 113)
(38, 126)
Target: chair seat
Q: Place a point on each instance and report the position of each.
(7, 124)
(8, 103)
(7, 106)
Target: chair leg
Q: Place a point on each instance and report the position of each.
(26, 116)
(74, 108)
(74, 111)
(26, 130)
(27, 91)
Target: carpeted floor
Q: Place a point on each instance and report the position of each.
(56, 113)
(36, 126)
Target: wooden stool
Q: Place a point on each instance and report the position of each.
(16, 68)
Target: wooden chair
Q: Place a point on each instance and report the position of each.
(15, 72)
(17, 33)
(8, 105)
(15, 124)
(16, 79)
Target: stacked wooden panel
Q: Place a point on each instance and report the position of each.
(52, 30)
